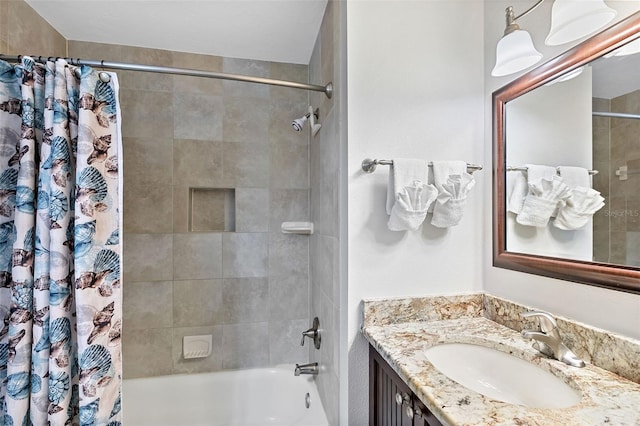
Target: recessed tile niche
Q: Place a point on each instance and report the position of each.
(212, 209)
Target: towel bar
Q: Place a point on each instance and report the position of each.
(524, 169)
(369, 165)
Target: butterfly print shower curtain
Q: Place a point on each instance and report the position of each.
(60, 256)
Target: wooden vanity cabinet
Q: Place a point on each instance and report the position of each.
(391, 401)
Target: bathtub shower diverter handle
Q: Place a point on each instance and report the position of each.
(313, 333)
(311, 368)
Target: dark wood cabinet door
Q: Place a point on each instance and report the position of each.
(391, 401)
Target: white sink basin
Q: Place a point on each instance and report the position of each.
(501, 376)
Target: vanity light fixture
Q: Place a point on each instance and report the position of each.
(515, 50)
(567, 76)
(630, 48)
(570, 20)
(574, 19)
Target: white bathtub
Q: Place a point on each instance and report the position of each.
(258, 397)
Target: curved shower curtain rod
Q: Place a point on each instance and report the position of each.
(327, 90)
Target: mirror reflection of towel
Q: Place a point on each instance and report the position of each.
(544, 197)
(519, 186)
(578, 209)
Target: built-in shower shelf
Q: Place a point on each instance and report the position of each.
(304, 228)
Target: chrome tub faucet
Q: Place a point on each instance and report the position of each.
(311, 368)
(548, 340)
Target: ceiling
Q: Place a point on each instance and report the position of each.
(270, 30)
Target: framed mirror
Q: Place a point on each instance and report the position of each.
(579, 111)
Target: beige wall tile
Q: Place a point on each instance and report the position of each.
(147, 353)
(148, 305)
(197, 256)
(148, 257)
(290, 72)
(197, 116)
(249, 68)
(209, 63)
(288, 205)
(146, 114)
(95, 51)
(252, 210)
(245, 164)
(197, 303)
(4, 25)
(245, 255)
(28, 33)
(295, 290)
(284, 342)
(241, 349)
(289, 165)
(148, 161)
(288, 255)
(245, 300)
(148, 209)
(146, 80)
(246, 120)
(198, 163)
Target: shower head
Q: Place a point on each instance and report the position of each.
(298, 123)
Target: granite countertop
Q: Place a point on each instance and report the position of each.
(607, 398)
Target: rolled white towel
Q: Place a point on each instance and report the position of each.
(449, 206)
(410, 209)
(403, 172)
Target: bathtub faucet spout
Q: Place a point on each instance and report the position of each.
(306, 369)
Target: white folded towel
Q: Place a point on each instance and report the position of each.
(449, 206)
(403, 172)
(578, 209)
(411, 207)
(443, 169)
(575, 176)
(519, 188)
(536, 172)
(544, 197)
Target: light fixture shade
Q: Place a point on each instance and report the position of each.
(568, 76)
(515, 52)
(630, 48)
(574, 19)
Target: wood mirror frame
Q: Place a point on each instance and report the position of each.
(612, 276)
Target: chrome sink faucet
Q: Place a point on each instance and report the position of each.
(548, 340)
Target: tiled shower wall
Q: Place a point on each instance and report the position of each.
(247, 288)
(325, 172)
(24, 32)
(602, 162)
(621, 217)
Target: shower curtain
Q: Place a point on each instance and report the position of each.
(60, 296)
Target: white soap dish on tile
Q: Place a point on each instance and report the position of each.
(305, 228)
(196, 346)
